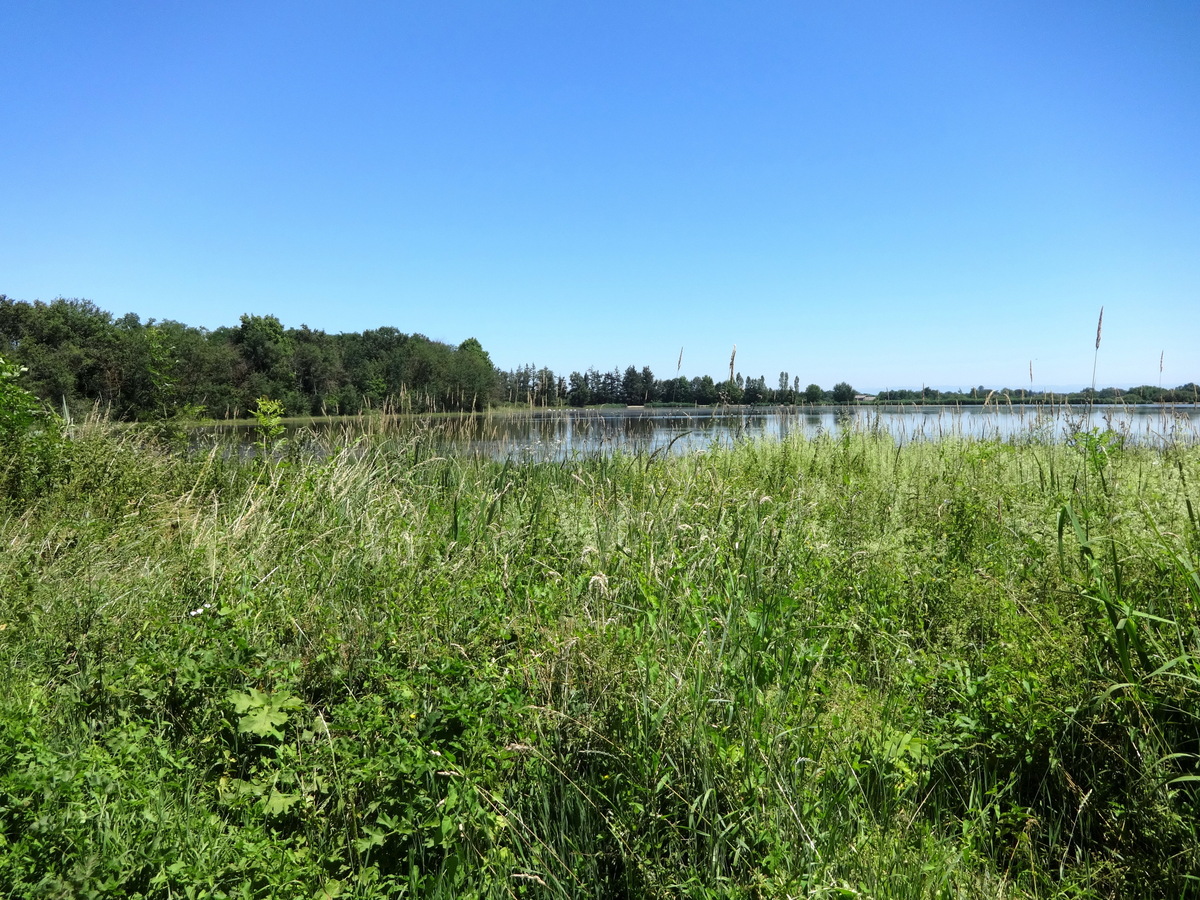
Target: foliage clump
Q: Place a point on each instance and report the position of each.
(30, 438)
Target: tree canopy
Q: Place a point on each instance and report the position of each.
(78, 355)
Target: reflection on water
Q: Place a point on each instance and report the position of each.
(559, 434)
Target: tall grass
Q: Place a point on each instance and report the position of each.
(830, 667)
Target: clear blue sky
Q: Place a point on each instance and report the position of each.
(885, 193)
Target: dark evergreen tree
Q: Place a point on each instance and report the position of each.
(578, 393)
(649, 386)
(631, 387)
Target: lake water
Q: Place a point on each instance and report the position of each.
(561, 433)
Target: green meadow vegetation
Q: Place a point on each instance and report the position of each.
(827, 668)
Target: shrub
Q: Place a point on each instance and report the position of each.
(30, 438)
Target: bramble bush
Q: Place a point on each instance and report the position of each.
(30, 438)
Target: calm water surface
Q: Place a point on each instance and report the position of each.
(558, 434)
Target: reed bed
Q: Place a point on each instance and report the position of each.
(545, 435)
(823, 666)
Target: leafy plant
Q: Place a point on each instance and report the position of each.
(30, 437)
(263, 714)
(269, 416)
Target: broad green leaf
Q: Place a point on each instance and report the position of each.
(278, 803)
(264, 722)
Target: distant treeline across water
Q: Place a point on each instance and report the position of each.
(78, 356)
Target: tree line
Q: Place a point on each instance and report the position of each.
(1144, 393)
(77, 355)
(639, 387)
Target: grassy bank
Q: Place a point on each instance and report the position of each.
(812, 668)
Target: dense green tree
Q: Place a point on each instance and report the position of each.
(704, 390)
(317, 362)
(262, 342)
(675, 390)
(204, 367)
(265, 351)
(518, 385)
(729, 392)
(143, 370)
(1184, 393)
(595, 385)
(578, 393)
(843, 392)
(1145, 393)
(649, 385)
(814, 394)
(472, 377)
(426, 371)
(610, 386)
(755, 390)
(548, 387)
(70, 349)
(631, 386)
